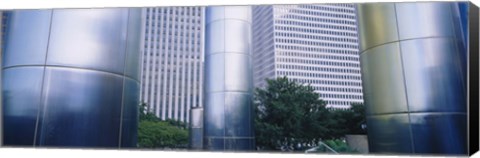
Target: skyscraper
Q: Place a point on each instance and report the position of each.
(311, 44)
(172, 60)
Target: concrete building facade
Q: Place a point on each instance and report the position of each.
(172, 60)
(311, 44)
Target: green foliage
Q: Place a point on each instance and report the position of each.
(288, 113)
(161, 135)
(348, 121)
(155, 133)
(145, 115)
(286, 110)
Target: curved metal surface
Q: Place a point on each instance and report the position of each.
(81, 71)
(20, 32)
(383, 87)
(21, 92)
(434, 76)
(375, 28)
(414, 77)
(228, 119)
(88, 40)
(77, 100)
(423, 19)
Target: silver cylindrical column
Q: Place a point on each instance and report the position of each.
(228, 123)
(1, 54)
(196, 128)
(71, 78)
(414, 77)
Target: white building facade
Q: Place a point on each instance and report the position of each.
(311, 44)
(172, 60)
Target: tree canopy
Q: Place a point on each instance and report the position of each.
(290, 113)
(155, 133)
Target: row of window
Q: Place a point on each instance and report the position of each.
(318, 81)
(341, 96)
(347, 5)
(315, 20)
(172, 48)
(180, 55)
(333, 102)
(168, 77)
(320, 13)
(313, 25)
(315, 29)
(316, 37)
(179, 20)
(152, 91)
(169, 68)
(336, 89)
(176, 10)
(170, 63)
(320, 62)
(315, 49)
(171, 113)
(176, 25)
(182, 87)
(316, 74)
(176, 39)
(314, 43)
(320, 56)
(170, 32)
(321, 75)
(331, 9)
(172, 89)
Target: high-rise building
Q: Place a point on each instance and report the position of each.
(172, 60)
(311, 44)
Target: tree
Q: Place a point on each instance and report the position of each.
(357, 121)
(161, 135)
(288, 113)
(145, 115)
(155, 133)
(350, 121)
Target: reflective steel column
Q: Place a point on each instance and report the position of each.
(414, 77)
(228, 118)
(196, 128)
(70, 78)
(1, 56)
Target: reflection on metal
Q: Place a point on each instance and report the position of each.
(228, 119)
(69, 80)
(196, 128)
(1, 56)
(414, 77)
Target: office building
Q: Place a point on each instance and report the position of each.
(311, 44)
(172, 60)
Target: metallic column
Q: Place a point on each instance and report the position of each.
(414, 77)
(196, 128)
(1, 58)
(228, 79)
(70, 78)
